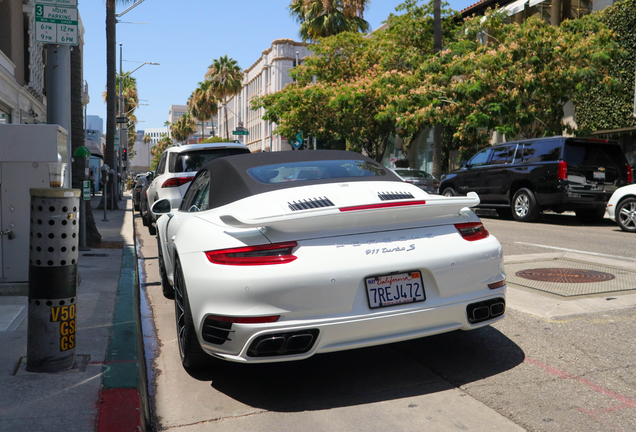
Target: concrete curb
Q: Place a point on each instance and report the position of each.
(123, 401)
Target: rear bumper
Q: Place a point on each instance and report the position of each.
(358, 332)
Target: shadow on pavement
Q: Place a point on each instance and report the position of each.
(401, 370)
(565, 219)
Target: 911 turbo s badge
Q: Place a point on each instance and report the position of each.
(388, 240)
(388, 250)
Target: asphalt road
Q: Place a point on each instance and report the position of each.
(575, 372)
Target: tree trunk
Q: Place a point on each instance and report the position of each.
(437, 131)
(111, 73)
(77, 140)
(227, 130)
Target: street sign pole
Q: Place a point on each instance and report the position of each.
(58, 92)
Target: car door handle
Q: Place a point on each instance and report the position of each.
(172, 239)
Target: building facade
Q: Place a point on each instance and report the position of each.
(22, 61)
(268, 74)
(155, 134)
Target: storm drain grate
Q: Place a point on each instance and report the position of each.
(570, 278)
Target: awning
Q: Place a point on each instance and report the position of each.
(516, 7)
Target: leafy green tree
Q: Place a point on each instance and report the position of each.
(215, 139)
(203, 104)
(323, 18)
(516, 83)
(226, 80)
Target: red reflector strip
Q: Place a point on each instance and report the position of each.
(176, 181)
(629, 174)
(497, 284)
(472, 231)
(244, 320)
(382, 205)
(278, 253)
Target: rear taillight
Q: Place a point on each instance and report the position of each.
(382, 205)
(562, 170)
(244, 320)
(472, 231)
(278, 253)
(176, 182)
(629, 174)
(497, 284)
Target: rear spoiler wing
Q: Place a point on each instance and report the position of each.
(401, 212)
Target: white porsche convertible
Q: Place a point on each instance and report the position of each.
(278, 256)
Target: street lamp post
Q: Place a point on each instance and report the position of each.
(123, 131)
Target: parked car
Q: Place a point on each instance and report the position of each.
(419, 178)
(264, 270)
(177, 168)
(525, 177)
(143, 201)
(621, 207)
(140, 181)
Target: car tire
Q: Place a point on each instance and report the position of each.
(524, 206)
(591, 216)
(190, 351)
(449, 192)
(152, 229)
(168, 290)
(136, 207)
(626, 214)
(144, 218)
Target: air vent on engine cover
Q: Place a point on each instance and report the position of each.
(310, 203)
(388, 196)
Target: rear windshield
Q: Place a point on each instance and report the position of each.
(193, 161)
(593, 153)
(413, 173)
(315, 170)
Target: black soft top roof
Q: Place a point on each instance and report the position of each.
(230, 182)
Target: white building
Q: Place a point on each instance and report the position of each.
(155, 134)
(211, 126)
(268, 74)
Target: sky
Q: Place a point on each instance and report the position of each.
(184, 36)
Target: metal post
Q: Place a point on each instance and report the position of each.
(58, 92)
(52, 280)
(104, 170)
(119, 163)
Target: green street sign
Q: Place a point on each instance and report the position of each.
(240, 132)
(86, 190)
(56, 24)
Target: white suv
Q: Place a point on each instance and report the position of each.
(178, 166)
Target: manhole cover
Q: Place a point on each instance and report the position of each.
(565, 275)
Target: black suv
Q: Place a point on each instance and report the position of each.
(524, 177)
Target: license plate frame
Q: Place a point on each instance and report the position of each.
(382, 289)
(598, 175)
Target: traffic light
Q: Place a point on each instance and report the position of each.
(124, 155)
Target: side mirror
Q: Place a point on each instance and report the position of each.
(161, 207)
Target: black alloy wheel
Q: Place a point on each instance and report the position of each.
(449, 192)
(626, 214)
(168, 290)
(524, 206)
(192, 356)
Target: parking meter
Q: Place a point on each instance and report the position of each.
(104, 169)
(82, 157)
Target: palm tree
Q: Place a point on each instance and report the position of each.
(322, 18)
(203, 104)
(111, 72)
(183, 127)
(226, 80)
(131, 102)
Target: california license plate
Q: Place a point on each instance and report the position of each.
(599, 175)
(389, 290)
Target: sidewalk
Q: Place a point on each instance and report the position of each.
(89, 397)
